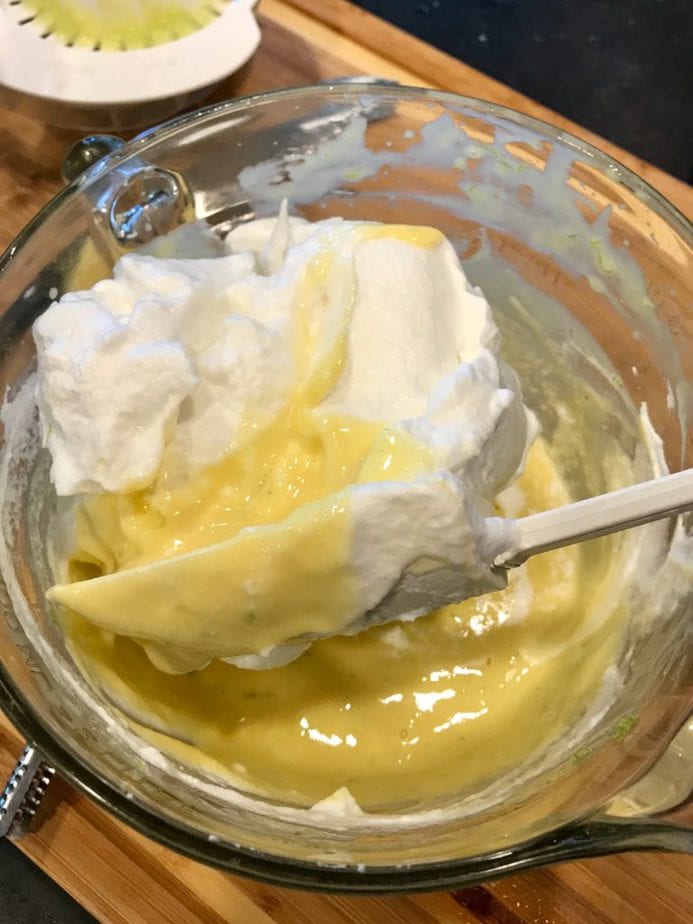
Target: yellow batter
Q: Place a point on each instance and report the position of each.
(400, 714)
(287, 481)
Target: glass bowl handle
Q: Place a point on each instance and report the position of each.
(655, 813)
(603, 835)
(659, 806)
(597, 837)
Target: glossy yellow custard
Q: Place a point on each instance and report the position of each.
(266, 531)
(163, 583)
(398, 714)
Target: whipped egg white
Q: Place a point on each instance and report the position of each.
(268, 444)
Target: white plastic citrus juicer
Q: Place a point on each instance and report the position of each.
(95, 80)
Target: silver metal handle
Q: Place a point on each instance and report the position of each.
(601, 515)
(22, 795)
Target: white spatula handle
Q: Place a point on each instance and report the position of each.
(597, 516)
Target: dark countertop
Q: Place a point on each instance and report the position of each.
(622, 69)
(29, 896)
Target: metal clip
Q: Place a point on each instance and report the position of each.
(135, 201)
(22, 795)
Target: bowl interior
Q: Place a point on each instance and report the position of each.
(579, 259)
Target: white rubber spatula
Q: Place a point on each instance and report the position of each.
(541, 532)
(197, 606)
(598, 516)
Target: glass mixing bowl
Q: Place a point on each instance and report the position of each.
(540, 220)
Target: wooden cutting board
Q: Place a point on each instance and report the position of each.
(117, 874)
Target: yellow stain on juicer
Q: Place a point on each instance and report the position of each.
(118, 25)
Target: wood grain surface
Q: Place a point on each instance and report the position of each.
(120, 876)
